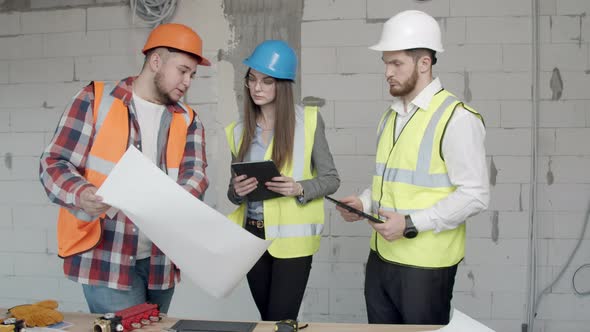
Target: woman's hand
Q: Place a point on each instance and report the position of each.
(243, 185)
(285, 185)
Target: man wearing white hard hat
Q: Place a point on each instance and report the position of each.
(430, 176)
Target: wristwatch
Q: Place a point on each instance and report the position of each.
(410, 231)
(300, 198)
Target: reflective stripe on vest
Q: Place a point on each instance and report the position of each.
(106, 102)
(99, 165)
(79, 232)
(286, 231)
(410, 175)
(295, 229)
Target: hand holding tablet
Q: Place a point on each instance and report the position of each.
(353, 210)
(263, 171)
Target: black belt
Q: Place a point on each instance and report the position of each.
(257, 223)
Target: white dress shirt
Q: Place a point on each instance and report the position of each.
(465, 157)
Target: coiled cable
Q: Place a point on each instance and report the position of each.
(153, 11)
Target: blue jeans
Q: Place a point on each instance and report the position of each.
(102, 299)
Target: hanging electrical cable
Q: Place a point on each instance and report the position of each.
(153, 11)
(585, 266)
(567, 264)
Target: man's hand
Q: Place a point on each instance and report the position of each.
(393, 227)
(91, 203)
(243, 185)
(354, 202)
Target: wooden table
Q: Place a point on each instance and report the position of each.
(83, 323)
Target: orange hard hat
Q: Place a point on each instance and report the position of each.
(177, 36)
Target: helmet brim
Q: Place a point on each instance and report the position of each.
(204, 61)
(384, 47)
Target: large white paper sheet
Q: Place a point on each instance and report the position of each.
(460, 322)
(210, 249)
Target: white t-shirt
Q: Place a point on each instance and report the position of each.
(149, 116)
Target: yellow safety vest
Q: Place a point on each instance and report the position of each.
(294, 228)
(78, 232)
(411, 175)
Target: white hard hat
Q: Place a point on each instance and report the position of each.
(410, 29)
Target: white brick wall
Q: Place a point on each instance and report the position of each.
(108, 18)
(490, 110)
(339, 33)
(323, 60)
(53, 21)
(516, 114)
(333, 9)
(505, 29)
(107, 67)
(501, 86)
(565, 28)
(563, 113)
(4, 122)
(343, 87)
(202, 90)
(508, 305)
(511, 142)
(564, 56)
(572, 7)
(21, 47)
(516, 57)
(47, 55)
(358, 60)
(566, 169)
(384, 9)
(41, 70)
(476, 304)
(21, 144)
(5, 223)
(22, 168)
(568, 141)
(76, 43)
(512, 169)
(9, 24)
(490, 8)
(471, 57)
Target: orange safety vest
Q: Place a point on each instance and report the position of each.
(78, 232)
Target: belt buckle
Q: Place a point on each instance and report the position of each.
(259, 224)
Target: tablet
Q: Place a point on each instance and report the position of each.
(263, 171)
(353, 210)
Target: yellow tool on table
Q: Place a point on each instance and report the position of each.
(38, 314)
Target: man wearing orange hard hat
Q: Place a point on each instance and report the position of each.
(117, 265)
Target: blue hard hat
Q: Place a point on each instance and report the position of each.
(274, 58)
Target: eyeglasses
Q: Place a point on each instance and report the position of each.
(265, 83)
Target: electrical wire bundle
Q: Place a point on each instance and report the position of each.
(153, 11)
(567, 264)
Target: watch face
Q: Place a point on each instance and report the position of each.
(410, 233)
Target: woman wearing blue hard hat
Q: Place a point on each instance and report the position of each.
(273, 128)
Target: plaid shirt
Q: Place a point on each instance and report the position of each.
(62, 165)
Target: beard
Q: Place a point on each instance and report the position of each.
(403, 89)
(161, 94)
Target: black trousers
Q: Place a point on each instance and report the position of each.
(277, 285)
(400, 294)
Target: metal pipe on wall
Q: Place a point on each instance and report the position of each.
(532, 266)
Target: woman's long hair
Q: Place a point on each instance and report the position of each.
(284, 126)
